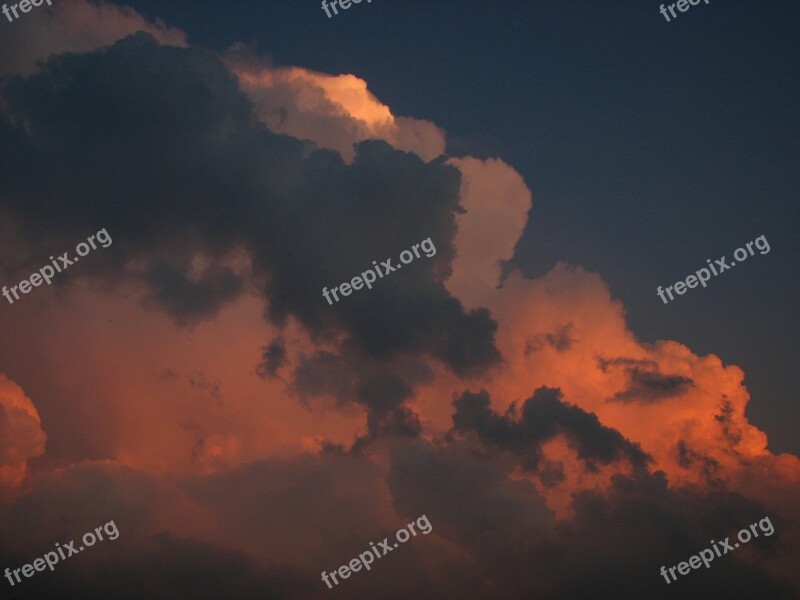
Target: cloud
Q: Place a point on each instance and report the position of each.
(646, 383)
(648, 386)
(273, 359)
(559, 340)
(381, 388)
(159, 550)
(334, 111)
(662, 394)
(74, 26)
(543, 416)
(234, 192)
(21, 434)
(617, 539)
(252, 190)
(189, 301)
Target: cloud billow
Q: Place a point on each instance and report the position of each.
(159, 145)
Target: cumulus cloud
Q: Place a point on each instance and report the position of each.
(232, 422)
(251, 188)
(74, 26)
(334, 111)
(605, 370)
(21, 434)
(495, 203)
(616, 540)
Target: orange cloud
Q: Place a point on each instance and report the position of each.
(152, 411)
(21, 435)
(335, 111)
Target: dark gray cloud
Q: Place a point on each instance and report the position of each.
(493, 535)
(379, 387)
(687, 458)
(725, 418)
(306, 511)
(607, 364)
(646, 383)
(159, 146)
(543, 416)
(551, 472)
(164, 567)
(511, 547)
(560, 340)
(324, 373)
(188, 301)
(672, 524)
(273, 358)
(384, 394)
(652, 386)
(471, 502)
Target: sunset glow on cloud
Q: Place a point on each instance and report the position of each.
(191, 383)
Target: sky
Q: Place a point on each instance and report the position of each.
(214, 170)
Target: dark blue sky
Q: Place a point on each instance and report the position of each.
(649, 146)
